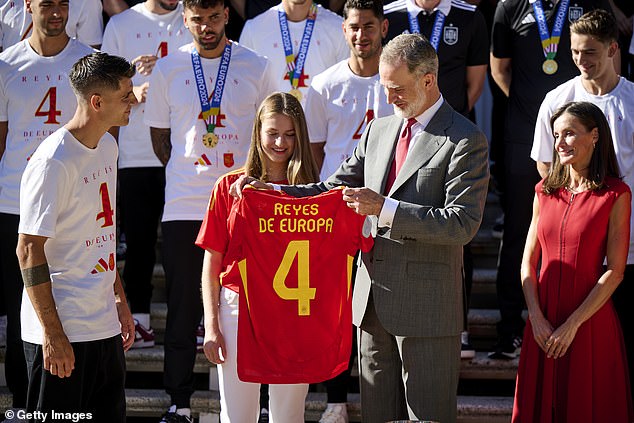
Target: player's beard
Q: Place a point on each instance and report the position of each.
(54, 32)
(167, 6)
(212, 45)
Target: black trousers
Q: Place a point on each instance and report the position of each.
(95, 386)
(11, 291)
(141, 196)
(622, 299)
(520, 177)
(183, 262)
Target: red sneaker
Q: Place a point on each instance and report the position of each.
(143, 337)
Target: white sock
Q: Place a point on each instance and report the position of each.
(143, 319)
(184, 412)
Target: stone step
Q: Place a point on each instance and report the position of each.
(206, 405)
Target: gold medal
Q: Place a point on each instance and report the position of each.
(210, 140)
(549, 66)
(295, 92)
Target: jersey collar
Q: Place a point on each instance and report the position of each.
(444, 6)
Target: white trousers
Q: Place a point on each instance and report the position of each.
(240, 401)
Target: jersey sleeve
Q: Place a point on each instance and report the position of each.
(269, 84)
(542, 150)
(316, 113)
(246, 37)
(110, 43)
(4, 99)
(478, 51)
(214, 231)
(157, 110)
(502, 33)
(42, 194)
(90, 23)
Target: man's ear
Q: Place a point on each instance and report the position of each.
(27, 5)
(95, 102)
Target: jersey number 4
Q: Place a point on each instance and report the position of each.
(106, 213)
(52, 113)
(303, 294)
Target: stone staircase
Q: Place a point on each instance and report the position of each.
(485, 390)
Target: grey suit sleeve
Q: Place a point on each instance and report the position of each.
(349, 174)
(465, 188)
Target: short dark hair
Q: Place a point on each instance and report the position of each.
(205, 4)
(603, 161)
(376, 6)
(99, 70)
(597, 23)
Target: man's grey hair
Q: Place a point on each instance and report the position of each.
(415, 51)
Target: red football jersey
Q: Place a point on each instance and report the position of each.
(295, 259)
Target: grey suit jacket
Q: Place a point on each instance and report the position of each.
(414, 271)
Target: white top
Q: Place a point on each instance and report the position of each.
(618, 107)
(339, 105)
(36, 99)
(68, 195)
(85, 22)
(173, 103)
(130, 34)
(327, 44)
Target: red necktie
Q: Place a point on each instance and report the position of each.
(401, 153)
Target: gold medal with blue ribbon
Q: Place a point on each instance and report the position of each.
(550, 41)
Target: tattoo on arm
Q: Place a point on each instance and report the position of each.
(36, 275)
(161, 143)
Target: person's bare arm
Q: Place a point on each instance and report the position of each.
(162, 144)
(214, 345)
(317, 148)
(58, 355)
(501, 72)
(123, 312)
(543, 168)
(112, 7)
(475, 83)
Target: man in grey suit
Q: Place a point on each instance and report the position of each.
(407, 298)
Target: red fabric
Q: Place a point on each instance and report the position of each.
(402, 146)
(589, 383)
(290, 340)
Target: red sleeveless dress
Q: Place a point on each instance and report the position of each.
(590, 382)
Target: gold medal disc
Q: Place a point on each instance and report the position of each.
(549, 66)
(296, 93)
(210, 140)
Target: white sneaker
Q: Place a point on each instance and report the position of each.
(335, 413)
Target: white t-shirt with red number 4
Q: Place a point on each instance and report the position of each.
(68, 195)
(36, 99)
(130, 34)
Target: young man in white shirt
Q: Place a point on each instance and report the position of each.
(200, 108)
(284, 34)
(157, 28)
(75, 319)
(593, 42)
(35, 100)
(85, 22)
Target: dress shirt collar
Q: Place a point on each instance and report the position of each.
(444, 6)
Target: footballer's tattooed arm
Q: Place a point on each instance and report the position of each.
(161, 143)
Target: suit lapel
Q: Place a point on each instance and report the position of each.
(427, 144)
(385, 154)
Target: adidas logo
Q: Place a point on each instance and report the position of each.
(528, 19)
(102, 266)
(203, 161)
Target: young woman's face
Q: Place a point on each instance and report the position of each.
(278, 138)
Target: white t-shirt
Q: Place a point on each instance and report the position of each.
(327, 44)
(618, 107)
(339, 105)
(68, 195)
(36, 99)
(173, 103)
(85, 22)
(130, 34)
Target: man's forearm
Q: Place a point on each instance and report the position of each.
(162, 144)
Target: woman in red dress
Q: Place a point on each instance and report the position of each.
(573, 366)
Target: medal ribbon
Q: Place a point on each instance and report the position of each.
(294, 65)
(550, 42)
(211, 110)
(439, 23)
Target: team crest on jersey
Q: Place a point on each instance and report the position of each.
(450, 35)
(103, 266)
(228, 159)
(574, 13)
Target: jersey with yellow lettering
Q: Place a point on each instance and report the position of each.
(295, 259)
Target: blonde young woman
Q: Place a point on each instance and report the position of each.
(279, 153)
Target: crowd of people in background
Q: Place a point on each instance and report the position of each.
(324, 93)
